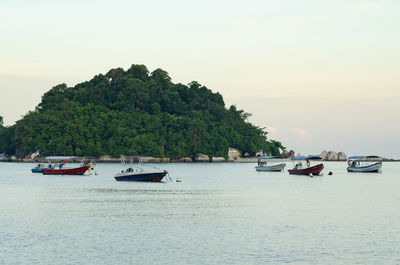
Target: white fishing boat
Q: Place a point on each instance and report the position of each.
(270, 164)
(364, 164)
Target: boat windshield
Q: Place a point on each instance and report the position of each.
(362, 163)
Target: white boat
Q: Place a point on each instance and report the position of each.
(270, 164)
(364, 164)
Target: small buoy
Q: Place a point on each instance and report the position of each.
(311, 175)
(178, 179)
(96, 173)
(330, 173)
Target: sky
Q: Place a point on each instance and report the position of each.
(317, 74)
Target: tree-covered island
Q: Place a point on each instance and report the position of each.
(134, 112)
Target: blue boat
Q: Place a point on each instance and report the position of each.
(39, 168)
(364, 164)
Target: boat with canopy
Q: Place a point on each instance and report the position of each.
(364, 164)
(270, 164)
(303, 165)
(58, 165)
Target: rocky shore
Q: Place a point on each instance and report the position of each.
(199, 158)
(333, 156)
(233, 156)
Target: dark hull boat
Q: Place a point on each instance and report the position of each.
(315, 170)
(149, 176)
(66, 171)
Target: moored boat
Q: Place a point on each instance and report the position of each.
(366, 164)
(57, 166)
(139, 174)
(38, 168)
(300, 169)
(67, 171)
(270, 164)
(150, 176)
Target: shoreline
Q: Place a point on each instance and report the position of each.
(168, 160)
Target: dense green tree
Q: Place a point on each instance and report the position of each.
(134, 112)
(6, 143)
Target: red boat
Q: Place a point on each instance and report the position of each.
(67, 171)
(300, 170)
(57, 166)
(315, 170)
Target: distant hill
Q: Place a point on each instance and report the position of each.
(134, 112)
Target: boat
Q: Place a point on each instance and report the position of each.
(307, 169)
(364, 164)
(38, 168)
(139, 174)
(57, 166)
(270, 164)
(134, 175)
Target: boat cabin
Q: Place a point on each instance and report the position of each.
(361, 161)
(304, 161)
(264, 160)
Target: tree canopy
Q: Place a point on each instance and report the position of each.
(134, 112)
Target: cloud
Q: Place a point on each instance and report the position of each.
(301, 133)
(273, 132)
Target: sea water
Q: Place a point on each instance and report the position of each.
(223, 213)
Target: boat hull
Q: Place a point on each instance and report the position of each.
(315, 170)
(154, 176)
(37, 170)
(273, 168)
(67, 171)
(376, 167)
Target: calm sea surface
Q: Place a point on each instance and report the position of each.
(219, 214)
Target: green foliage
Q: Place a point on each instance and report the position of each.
(134, 112)
(6, 133)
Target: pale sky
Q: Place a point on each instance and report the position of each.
(320, 74)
